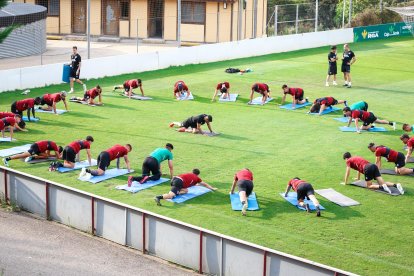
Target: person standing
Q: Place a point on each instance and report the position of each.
(348, 58)
(333, 69)
(75, 66)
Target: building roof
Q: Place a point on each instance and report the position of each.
(21, 13)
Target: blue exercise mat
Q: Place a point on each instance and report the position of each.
(353, 129)
(236, 204)
(343, 119)
(31, 119)
(58, 111)
(292, 199)
(78, 166)
(289, 106)
(193, 191)
(14, 150)
(108, 175)
(230, 98)
(136, 186)
(326, 111)
(6, 139)
(184, 95)
(66, 73)
(258, 101)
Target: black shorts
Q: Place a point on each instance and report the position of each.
(332, 70)
(304, 190)
(104, 160)
(300, 96)
(176, 185)
(14, 109)
(34, 149)
(86, 96)
(345, 68)
(189, 123)
(371, 119)
(371, 172)
(126, 87)
(151, 165)
(245, 186)
(69, 154)
(400, 163)
(73, 73)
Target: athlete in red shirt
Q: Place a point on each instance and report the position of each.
(105, 158)
(261, 88)
(71, 152)
(11, 122)
(366, 117)
(244, 181)
(410, 145)
(392, 156)
(38, 150)
(320, 104)
(296, 93)
(51, 99)
(181, 183)
(224, 88)
(6, 114)
(27, 104)
(179, 89)
(128, 87)
(303, 189)
(370, 172)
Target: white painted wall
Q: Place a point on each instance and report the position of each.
(39, 76)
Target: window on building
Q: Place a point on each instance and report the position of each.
(193, 12)
(125, 7)
(52, 6)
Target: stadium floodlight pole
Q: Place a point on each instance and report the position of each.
(276, 19)
(179, 22)
(343, 15)
(316, 15)
(350, 13)
(88, 36)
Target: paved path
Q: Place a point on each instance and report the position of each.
(31, 246)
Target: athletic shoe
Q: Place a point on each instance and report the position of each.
(307, 99)
(345, 103)
(327, 84)
(28, 159)
(334, 83)
(88, 176)
(130, 180)
(400, 188)
(244, 209)
(144, 179)
(394, 126)
(385, 187)
(157, 200)
(318, 213)
(5, 162)
(83, 172)
(84, 87)
(114, 88)
(308, 210)
(345, 84)
(349, 86)
(171, 124)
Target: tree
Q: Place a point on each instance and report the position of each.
(6, 31)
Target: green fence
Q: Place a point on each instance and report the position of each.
(382, 31)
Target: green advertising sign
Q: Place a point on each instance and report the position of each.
(382, 31)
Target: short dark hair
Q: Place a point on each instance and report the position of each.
(315, 108)
(22, 124)
(284, 86)
(347, 155)
(370, 145)
(89, 138)
(17, 116)
(405, 125)
(129, 146)
(333, 47)
(98, 87)
(296, 178)
(404, 136)
(169, 145)
(196, 171)
(346, 109)
(75, 47)
(60, 149)
(139, 80)
(210, 118)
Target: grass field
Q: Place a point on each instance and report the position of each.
(374, 238)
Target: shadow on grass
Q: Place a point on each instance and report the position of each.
(108, 105)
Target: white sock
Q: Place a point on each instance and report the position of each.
(349, 83)
(346, 82)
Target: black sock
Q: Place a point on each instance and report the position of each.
(390, 123)
(8, 158)
(243, 202)
(159, 197)
(381, 188)
(93, 172)
(395, 185)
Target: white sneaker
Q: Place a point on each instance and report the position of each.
(84, 87)
(28, 159)
(83, 172)
(327, 84)
(400, 188)
(385, 187)
(88, 176)
(244, 209)
(394, 126)
(334, 83)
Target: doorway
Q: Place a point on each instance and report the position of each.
(155, 18)
(79, 16)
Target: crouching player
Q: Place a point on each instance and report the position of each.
(303, 189)
(244, 181)
(38, 150)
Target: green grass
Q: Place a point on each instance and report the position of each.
(375, 238)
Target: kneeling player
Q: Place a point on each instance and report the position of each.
(303, 189)
(38, 150)
(71, 152)
(128, 87)
(180, 88)
(181, 183)
(410, 145)
(12, 123)
(194, 123)
(367, 118)
(27, 104)
(392, 156)
(52, 99)
(105, 158)
(370, 172)
(244, 181)
(319, 105)
(90, 95)
(262, 89)
(224, 88)
(296, 93)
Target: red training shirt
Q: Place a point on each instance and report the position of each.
(77, 146)
(185, 88)
(93, 93)
(297, 92)
(381, 151)
(44, 146)
(25, 104)
(357, 163)
(8, 121)
(260, 87)
(243, 175)
(220, 85)
(363, 115)
(327, 101)
(132, 83)
(410, 142)
(295, 183)
(6, 114)
(189, 179)
(117, 151)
